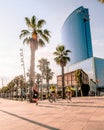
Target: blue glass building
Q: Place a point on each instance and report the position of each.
(76, 35)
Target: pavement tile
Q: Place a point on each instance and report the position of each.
(83, 113)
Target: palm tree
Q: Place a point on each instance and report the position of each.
(38, 79)
(35, 36)
(22, 85)
(61, 59)
(48, 75)
(4, 91)
(78, 77)
(11, 88)
(43, 63)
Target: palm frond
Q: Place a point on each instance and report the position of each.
(46, 32)
(33, 22)
(26, 40)
(68, 51)
(66, 58)
(60, 48)
(41, 43)
(28, 22)
(45, 38)
(40, 32)
(24, 33)
(65, 53)
(56, 53)
(57, 60)
(41, 23)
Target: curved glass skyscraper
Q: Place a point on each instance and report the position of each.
(76, 35)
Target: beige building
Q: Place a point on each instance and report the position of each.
(71, 79)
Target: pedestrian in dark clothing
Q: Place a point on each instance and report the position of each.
(35, 93)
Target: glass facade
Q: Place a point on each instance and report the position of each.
(94, 67)
(76, 35)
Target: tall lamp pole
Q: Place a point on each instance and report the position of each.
(2, 82)
(22, 61)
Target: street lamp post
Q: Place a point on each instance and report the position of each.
(22, 61)
(2, 82)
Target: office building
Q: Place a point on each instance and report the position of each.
(76, 35)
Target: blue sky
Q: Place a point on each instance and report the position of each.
(55, 12)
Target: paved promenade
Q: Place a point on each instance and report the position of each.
(83, 113)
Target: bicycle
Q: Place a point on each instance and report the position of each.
(52, 97)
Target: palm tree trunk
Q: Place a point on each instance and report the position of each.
(63, 87)
(81, 89)
(21, 94)
(32, 72)
(32, 63)
(42, 87)
(48, 86)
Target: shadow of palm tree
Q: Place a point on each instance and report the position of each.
(73, 104)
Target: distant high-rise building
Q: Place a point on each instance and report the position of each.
(76, 35)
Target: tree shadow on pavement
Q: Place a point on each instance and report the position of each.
(73, 104)
(79, 105)
(31, 121)
(83, 102)
(47, 106)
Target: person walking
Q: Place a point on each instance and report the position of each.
(68, 93)
(35, 93)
